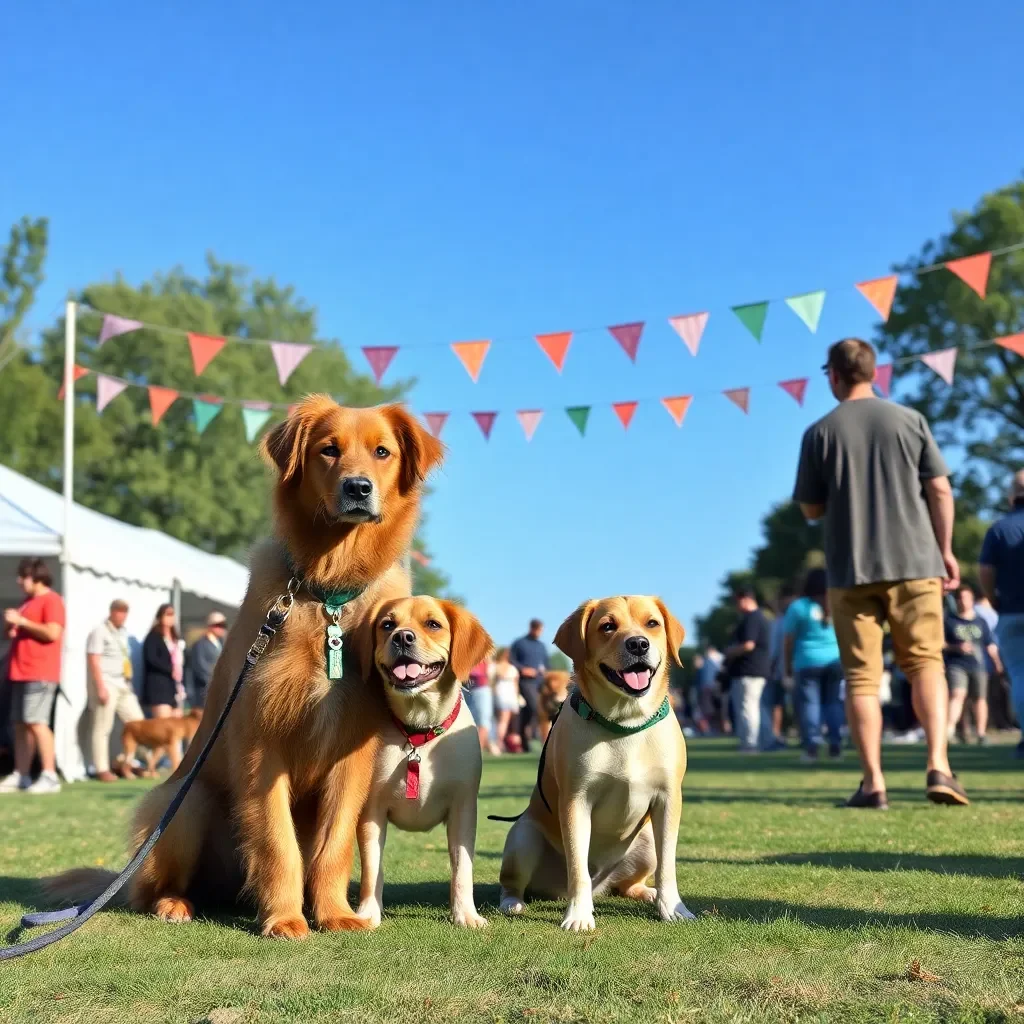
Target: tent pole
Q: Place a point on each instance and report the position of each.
(69, 438)
(176, 601)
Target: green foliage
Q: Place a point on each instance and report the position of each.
(558, 661)
(21, 274)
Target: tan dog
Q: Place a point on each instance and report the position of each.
(275, 807)
(605, 812)
(158, 736)
(428, 767)
(551, 697)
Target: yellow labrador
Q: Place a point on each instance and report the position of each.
(605, 812)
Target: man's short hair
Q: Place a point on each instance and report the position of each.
(35, 569)
(535, 624)
(118, 605)
(743, 593)
(964, 585)
(853, 361)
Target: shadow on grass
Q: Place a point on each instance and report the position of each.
(977, 865)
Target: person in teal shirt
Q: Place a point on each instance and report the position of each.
(811, 656)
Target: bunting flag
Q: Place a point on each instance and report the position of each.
(973, 270)
(690, 328)
(435, 422)
(418, 556)
(1013, 342)
(115, 325)
(254, 416)
(740, 397)
(808, 307)
(204, 347)
(677, 407)
(472, 355)
(880, 291)
(883, 379)
(287, 357)
(76, 374)
(204, 410)
(579, 414)
(628, 336)
(752, 316)
(796, 387)
(529, 420)
(555, 347)
(625, 411)
(379, 357)
(107, 389)
(160, 400)
(485, 421)
(942, 362)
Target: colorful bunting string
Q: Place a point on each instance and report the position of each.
(625, 411)
(115, 325)
(808, 307)
(880, 292)
(485, 421)
(436, 422)
(555, 347)
(943, 362)
(77, 373)
(796, 387)
(579, 414)
(740, 397)
(379, 357)
(204, 348)
(254, 417)
(107, 389)
(973, 270)
(472, 355)
(690, 328)
(1013, 342)
(677, 407)
(160, 400)
(883, 379)
(204, 410)
(287, 356)
(529, 420)
(752, 316)
(628, 336)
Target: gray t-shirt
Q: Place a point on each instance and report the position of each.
(865, 462)
(112, 646)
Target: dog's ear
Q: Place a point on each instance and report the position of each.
(571, 638)
(284, 447)
(674, 632)
(470, 641)
(364, 643)
(421, 451)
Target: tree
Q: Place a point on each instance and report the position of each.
(21, 274)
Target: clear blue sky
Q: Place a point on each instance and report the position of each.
(431, 172)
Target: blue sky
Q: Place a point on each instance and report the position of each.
(426, 173)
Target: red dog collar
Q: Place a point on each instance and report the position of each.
(418, 739)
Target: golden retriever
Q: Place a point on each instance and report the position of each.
(550, 699)
(158, 736)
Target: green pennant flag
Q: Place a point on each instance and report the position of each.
(204, 412)
(254, 420)
(808, 307)
(579, 414)
(752, 316)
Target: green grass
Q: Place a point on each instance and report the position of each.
(805, 913)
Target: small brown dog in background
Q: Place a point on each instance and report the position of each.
(553, 692)
(158, 736)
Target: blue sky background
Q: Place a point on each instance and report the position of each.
(426, 173)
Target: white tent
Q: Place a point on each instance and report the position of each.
(108, 559)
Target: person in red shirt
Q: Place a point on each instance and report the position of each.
(35, 630)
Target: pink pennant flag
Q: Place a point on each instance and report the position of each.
(485, 420)
(115, 325)
(107, 389)
(690, 328)
(379, 357)
(740, 397)
(628, 336)
(883, 379)
(287, 356)
(435, 422)
(796, 387)
(942, 362)
(529, 419)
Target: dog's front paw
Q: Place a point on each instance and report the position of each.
(675, 912)
(370, 911)
(175, 909)
(468, 918)
(641, 892)
(286, 928)
(578, 920)
(511, 905)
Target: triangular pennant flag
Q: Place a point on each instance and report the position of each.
(287, 357)
(160, 400)
(625, 411)
(204, 348)
(752, 316)
(880, 291)
(418, 556)
(740, 397)
(579, 414)
(555, 347)
(254, 416)
(471, 354)
(435, 422)
(973, 270)
(883, 379)
(677, 407)
(379, 357)
(942, 362)
(115, 325)
(76, 374)
(690, 328)
(796, 387)
(1014, 342)
(204, 411)
(628, 336)
(529, 420)
(107, 389)
(808, 307)
(485, 420)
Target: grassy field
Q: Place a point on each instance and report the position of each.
(805, 913)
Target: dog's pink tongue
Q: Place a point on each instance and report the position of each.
(637, 680)
(399, 671)
(413, 670)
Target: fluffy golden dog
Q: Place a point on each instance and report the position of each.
(158, 736)
(275, 807)
(551, 697)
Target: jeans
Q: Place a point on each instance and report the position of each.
(818, 696)
(1010, 637)
(480, 701)
(746, 693)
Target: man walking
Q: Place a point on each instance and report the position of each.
(202, 658)
(872, 470)
(968, 642)
(748, 662)
(529, 655)
(110, 688)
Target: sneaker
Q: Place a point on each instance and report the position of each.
(945, 789)
(106, 777)
(867, 801)
(46, 783)
(983, 741)
(809, 757)
(14, 782)
(835, 753)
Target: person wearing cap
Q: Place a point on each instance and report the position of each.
(203, 656)
(110, 688)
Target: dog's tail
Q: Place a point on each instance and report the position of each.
(498, 817)
(82, 885)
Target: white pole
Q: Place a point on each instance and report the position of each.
(69, 440)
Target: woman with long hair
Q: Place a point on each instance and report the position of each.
(811, 655)
(163, 665)
(506, 695)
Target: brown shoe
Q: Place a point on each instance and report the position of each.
(945, 789)
(125, 771)
(867, 801)
(106, 777)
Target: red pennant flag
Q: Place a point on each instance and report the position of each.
(880, 292)
(625, 411)
(973, 270)
(379, 357)
(555, 347)
(471, 354)
(529, 420)
(796, 387)
(485, 420)
(77, 373)
(1014, 342)
(436, 422)
(883, 378)
(160, 400)
(740, 397)
(204, 348)
(628, 336)
(677, 407)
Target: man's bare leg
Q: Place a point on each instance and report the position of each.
(864, 714)
(930, 697)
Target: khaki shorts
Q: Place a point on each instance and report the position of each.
(913, 609)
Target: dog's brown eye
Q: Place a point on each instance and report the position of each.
(433, 624)
(387, 625)
(607, 627)
(653, 623)
(382, 452)
(332, 451)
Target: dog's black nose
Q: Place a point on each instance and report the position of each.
(356, 487)
(403, 638)
(638, 645)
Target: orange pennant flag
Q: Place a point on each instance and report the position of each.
(625, 411)
(76, 374)
(880, 292)
(1014, 342)
(555, 347)
(677, 407)
(160, 400)
(471, 354)
(204, 348)
(973, 270)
